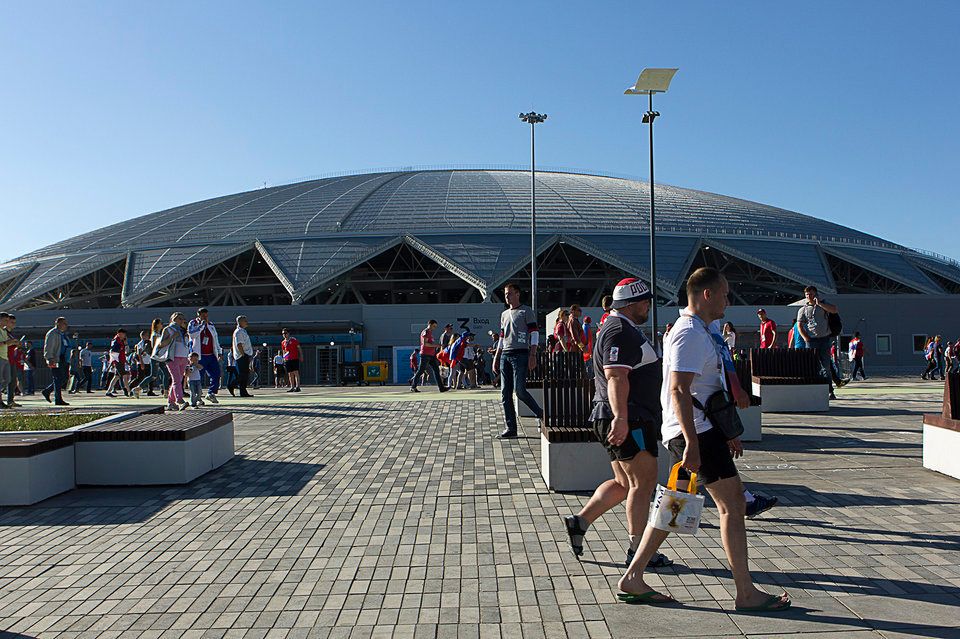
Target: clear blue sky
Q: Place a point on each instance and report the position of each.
(842, 110)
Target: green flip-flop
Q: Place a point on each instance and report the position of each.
(650, 598)
(772, 604)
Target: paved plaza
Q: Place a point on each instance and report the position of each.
(378, 513)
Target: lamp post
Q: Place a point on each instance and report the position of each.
(533, 119)
(649, 82)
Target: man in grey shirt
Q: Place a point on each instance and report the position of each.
(814, 327)
(516, 354)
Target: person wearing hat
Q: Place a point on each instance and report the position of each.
(206, 342)
(693, 371)
(768, 329)
(625, 416)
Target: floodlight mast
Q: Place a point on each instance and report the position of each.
(649, 82)
(533, 119)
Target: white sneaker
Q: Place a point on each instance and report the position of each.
(212, 399)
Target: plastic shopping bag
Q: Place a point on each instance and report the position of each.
(675, 511)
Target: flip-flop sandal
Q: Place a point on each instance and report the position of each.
(650, 598)
(576, 532)
(772, 604)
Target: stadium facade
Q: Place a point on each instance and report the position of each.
(453, 236)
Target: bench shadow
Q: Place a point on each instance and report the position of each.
(820, 443)
(923, 539)
(853, 411)
(240, 478)
(799, 495)
(800, 612)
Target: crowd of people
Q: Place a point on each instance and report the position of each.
(941, 357)
(180, 360)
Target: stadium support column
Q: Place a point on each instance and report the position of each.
(533, 119)
(649, 82)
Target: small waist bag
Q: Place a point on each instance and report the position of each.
(721, 410)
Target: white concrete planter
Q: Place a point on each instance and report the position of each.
(522, 410)
(941, 450)
(574, 466)
(141, 463)
(793, 398)
(582, 466)
(28, 480)
(751, 418)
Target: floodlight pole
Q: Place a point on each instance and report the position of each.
(652, 80)
(533, 119)
(651, 115)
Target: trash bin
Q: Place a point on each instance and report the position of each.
(349, 373)
(375, 372)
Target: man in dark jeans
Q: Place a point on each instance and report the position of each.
(56, 350)
(516, 354)
(31, 364)
(814, 328)
(428, 358)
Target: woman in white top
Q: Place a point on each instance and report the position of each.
(730, 336)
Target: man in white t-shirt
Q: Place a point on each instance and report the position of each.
(693, 369)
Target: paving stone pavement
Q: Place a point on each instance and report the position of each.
(381, 518)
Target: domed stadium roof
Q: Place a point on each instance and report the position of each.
(473, 223)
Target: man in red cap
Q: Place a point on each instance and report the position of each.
(768, 330)
(625, 416)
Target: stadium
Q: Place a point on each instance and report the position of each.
(419, 238)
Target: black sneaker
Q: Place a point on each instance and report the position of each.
(413, 390)
(507, 434)
(46, 395)
(659, 560)
(576, 530)
(759, 505)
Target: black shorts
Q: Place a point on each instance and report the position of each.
(642, 436)
(716, 461)
(292, 365)
(279, 370)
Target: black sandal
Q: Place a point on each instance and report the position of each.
(576, 532)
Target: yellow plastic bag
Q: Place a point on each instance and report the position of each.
(675, 511)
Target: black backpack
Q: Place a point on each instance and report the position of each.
(835, 324)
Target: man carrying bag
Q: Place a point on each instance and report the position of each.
(693, 368)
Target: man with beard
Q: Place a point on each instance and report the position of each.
(693, 371)
(625, 417)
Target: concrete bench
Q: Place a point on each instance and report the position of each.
(941, 433)
(522, 410)
(571, 459)
(751, 417)
(792, 394)
(789, 381)
(35, 466)
(154, 449)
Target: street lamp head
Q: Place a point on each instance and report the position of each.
(650, 116)
(651, 81)
(533, 117)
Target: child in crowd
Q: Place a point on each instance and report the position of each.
(194, 368)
